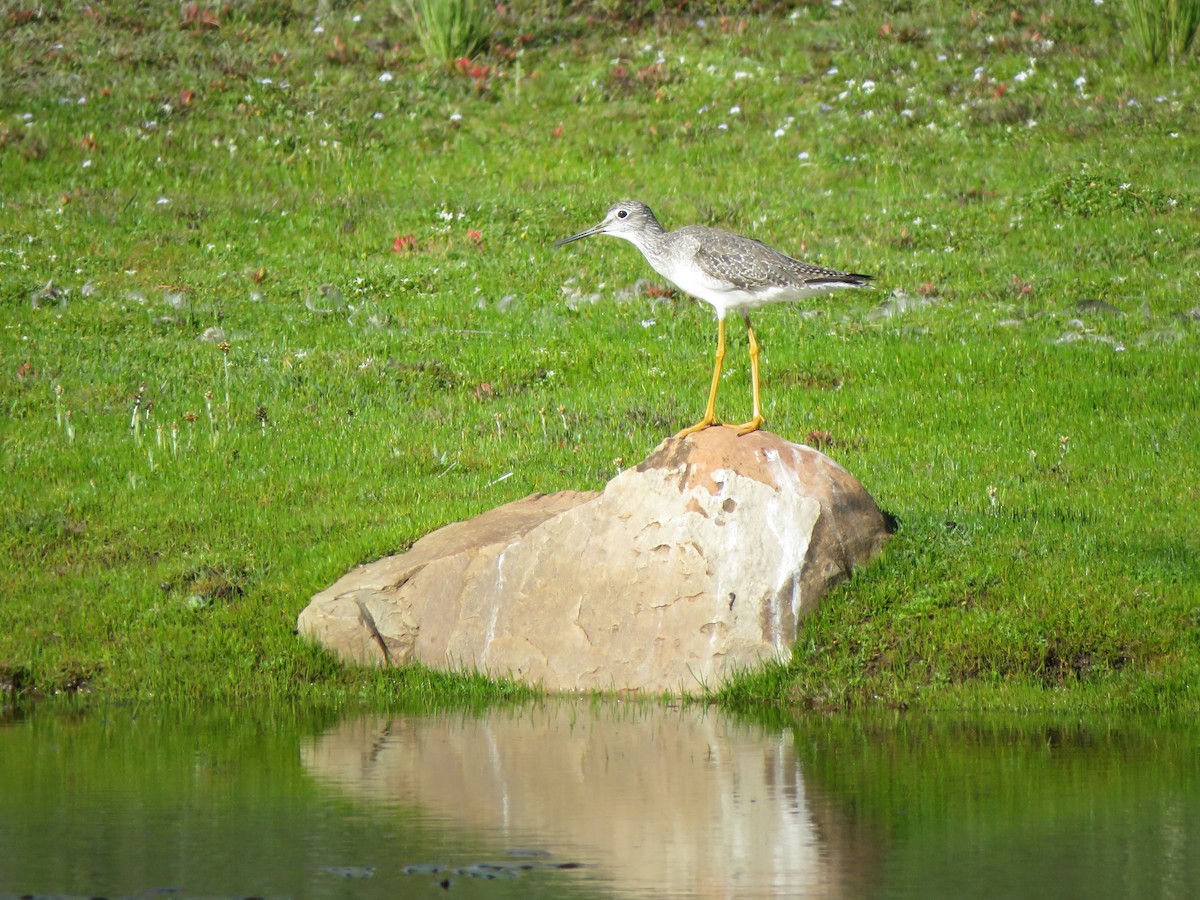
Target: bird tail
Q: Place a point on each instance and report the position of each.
(843, 279)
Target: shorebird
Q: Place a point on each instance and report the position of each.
(728, 271)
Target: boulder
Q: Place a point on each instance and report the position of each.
(694, 564)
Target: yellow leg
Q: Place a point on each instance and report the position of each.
(756, 422)
(710, 411)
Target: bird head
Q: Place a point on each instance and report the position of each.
(628, 219)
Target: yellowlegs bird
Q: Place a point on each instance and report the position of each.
(727, 270)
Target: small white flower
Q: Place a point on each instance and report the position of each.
(87, 163)
(455, 117)
(734, 110)
(722, 127)
(868, 86)
(162, 201)
(803, 154)
(320, 29)
(739, 75)
(780, 132)
(385, 76)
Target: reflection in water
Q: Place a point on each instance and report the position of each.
(668, 802)
(684, 802)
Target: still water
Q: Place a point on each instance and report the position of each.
(594, 800)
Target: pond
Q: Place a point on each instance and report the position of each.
(589, 799)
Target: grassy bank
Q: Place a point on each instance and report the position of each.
(279, 298)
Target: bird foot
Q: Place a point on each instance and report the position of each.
(706, 422)
(753, 425)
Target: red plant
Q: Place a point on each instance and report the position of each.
(197, 18)
(477, 72)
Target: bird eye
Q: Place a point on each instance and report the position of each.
(621, 214)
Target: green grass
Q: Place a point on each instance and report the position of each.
(253, 179)
(1163, 30)
(449, 29)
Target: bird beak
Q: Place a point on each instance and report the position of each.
(595, 229)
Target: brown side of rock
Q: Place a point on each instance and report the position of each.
(358, 614)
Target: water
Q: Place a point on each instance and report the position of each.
(594, 800)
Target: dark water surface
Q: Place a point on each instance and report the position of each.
(594, 800)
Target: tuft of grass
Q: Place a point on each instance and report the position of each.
(449, 29)
(1097, 193)
(1163, 30)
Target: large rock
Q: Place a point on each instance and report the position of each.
(698, 562)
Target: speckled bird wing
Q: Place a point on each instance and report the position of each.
(751, 264)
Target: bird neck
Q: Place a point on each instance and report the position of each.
(648, 238)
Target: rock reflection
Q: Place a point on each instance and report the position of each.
(679, 802)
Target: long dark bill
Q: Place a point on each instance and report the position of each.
(576, 237)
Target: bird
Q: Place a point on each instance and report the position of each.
(729, 271)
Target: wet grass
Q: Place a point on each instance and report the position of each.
(279, 298)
